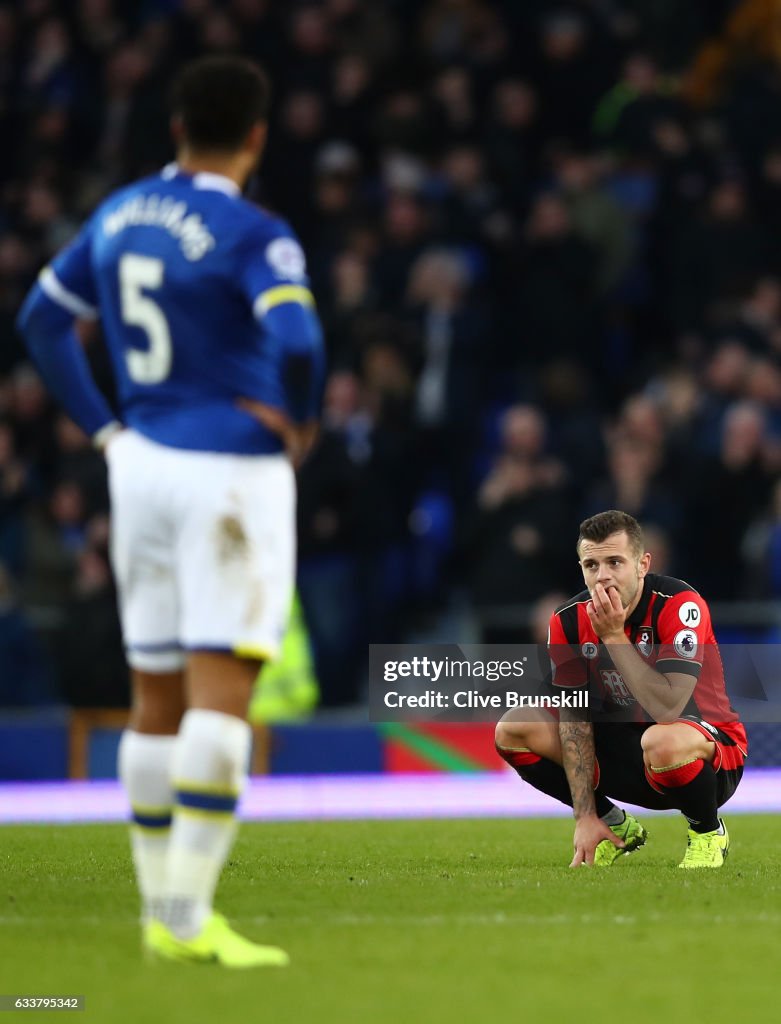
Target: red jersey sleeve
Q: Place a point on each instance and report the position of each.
(567, 663)
(684, 629)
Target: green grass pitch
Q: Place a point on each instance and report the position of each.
(407, 922)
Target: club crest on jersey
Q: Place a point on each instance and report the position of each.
(589, 650)
(645, 641)
(286, 258)
(685, 643)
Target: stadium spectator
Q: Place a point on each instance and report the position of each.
(738, 484)
(15, 491)
(596, 217)
(55, 532)
(354, 500)
(761, 552)
(25, 674)
(630, 484)
(91, 622)
(512, 140)
(514, 539)
(455, 340)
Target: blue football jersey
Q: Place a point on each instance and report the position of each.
(183, 272)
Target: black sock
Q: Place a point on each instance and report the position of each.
(550, 778)
(695, 799)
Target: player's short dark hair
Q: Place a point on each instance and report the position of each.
(603, 525)
(218, 100)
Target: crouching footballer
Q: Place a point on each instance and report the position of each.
(663, 734)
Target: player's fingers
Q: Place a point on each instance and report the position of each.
(579, 859)
(297, 452)
(253, 405)
(270, 417)
(311, 433)
(307, 435)
(614, 598)
(104, 447)
(602, 597)
(261, 411)
(300, 441)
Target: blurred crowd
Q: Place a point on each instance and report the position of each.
(545, 242)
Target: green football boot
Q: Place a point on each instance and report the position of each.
(217, 943)
(633, 834)
(707, 849)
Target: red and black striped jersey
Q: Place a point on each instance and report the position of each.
(670, 627)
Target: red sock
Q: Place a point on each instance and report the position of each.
(518, 757)
(674, 775)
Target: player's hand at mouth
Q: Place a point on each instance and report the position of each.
(606, 612)
(298, 438)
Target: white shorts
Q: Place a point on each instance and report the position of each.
(203, 549)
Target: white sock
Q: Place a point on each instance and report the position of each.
(145, 771)
(210, 767)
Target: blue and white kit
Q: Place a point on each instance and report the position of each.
(203, 299)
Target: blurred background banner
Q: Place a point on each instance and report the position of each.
(545, 243)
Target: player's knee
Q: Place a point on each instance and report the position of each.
(509, 734)
(662, 746)
(515, 744)
(221, 682)
(158, 703)
(160, 718)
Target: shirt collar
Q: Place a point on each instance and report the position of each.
(640, 612)
(203, 180)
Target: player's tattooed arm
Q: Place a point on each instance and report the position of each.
(577, 750)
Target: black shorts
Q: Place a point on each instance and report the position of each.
(622, 770)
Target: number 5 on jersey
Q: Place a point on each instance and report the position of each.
(139, 310)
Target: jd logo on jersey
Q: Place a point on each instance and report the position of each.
(689, 614)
